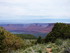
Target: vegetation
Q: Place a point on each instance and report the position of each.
(26, 36)
(2, 46)
(41, 48)
(9, 41)
(59, 31)
(58, 41)
(39, 40)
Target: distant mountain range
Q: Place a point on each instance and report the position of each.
(37, 29)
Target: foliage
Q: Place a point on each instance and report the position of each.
(59, 42)
(59, 31)
(29, 43)
(2, 46)
(26, 36)
(39, 40)
(10, 40)
(41, 48)
(66, 50)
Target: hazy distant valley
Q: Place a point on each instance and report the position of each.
(36, 29)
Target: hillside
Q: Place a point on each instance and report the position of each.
(37, 29)
(9, 40)
(59, 31)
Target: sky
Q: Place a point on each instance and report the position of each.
(34, 11)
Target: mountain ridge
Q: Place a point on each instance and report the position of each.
(34, 28)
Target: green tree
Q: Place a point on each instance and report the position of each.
(39, 40)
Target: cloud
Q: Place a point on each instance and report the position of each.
(34, 9)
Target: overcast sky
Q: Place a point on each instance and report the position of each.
(33, 11)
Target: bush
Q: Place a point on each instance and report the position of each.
(41, 48)
(67, 50)
(2, 46)
(59, 42)
(9, 41)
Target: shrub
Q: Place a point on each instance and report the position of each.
(59, 42)
(2, 45)
(67, 50)
(11, 41)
